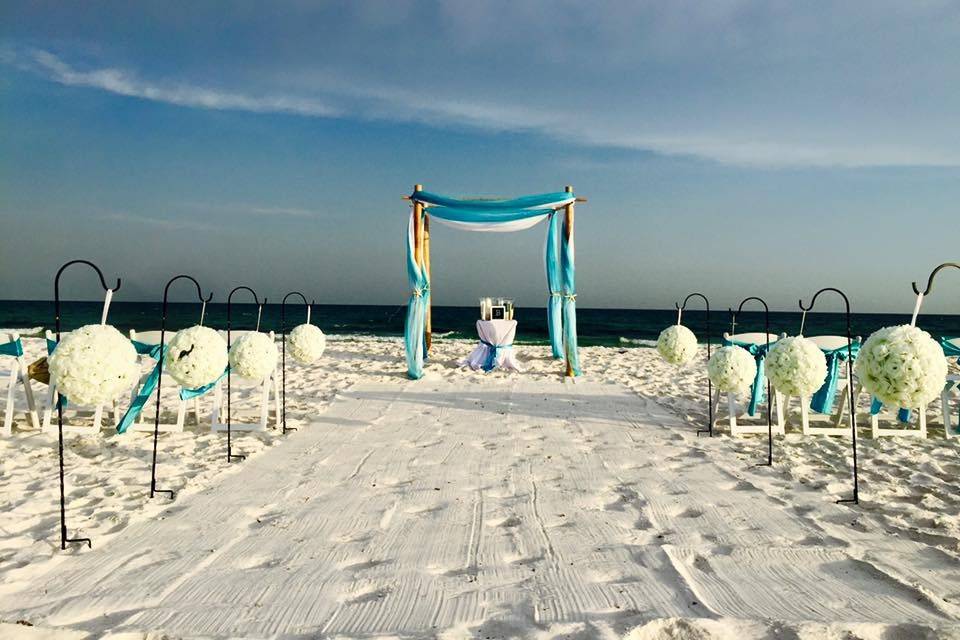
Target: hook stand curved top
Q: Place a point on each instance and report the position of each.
(680, 309)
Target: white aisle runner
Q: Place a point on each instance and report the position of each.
(416, 508)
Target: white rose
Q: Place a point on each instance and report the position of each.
(796, 366)
(677, 344)
(306, 343)
(94, 365)
(732, 369)
(902, 366)
(196, 356)
(253, 355)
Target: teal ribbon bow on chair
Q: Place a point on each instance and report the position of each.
(493, 352)
(822, 401)
(759, 353)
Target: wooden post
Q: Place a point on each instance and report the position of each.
(418, 229)
(426, 266)
(568, 235)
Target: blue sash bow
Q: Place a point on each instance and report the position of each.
(493, 350)
(822, 401)
(759, 353)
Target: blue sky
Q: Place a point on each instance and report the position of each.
(735, 147)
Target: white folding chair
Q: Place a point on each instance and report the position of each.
(153, 338)
(950, 429)
(268, 384)
(826, 343)
(18, 375)
(737, 428)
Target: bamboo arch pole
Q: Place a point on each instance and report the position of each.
(568, 234)
(418, 229)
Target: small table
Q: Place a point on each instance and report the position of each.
(496, 346)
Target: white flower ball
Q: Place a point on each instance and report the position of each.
(94, 365)
(796, 366)
(902, 366)
(253, 355)
(306, 343)
(196, 356)
(677, 344)
(732, 369)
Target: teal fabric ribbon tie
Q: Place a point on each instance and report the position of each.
(147, 388)
(188, 394)
(13, 348)
(822, 401)
(757, 389)
(493, 352)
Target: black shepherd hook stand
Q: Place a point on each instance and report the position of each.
(283, 341)
(929, 289)
(680, 310)
(853, 401)
(56, 301)
(230, 455)
(766, 335)
(156, 420)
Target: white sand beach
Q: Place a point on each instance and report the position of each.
(481, 505)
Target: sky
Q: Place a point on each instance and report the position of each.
(734, 147)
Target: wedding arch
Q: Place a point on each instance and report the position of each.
(494, 215)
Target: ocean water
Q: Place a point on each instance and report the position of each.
(596, 327)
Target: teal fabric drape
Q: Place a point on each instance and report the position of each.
(493, 352)
(822, 401)
(413, 335)
(478, 207)
(559, 262)
(13, 348)
(568, 277)
(758, 388)
(555, 286)
(146, 389)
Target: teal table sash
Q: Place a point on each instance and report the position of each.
(13, 348)
(493, 352)
(822, 401)
(757, 389)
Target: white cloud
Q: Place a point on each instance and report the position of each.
(185, 95)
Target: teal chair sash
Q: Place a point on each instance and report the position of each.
(822, 401)
(757, 389)
(13, 348)
(187, 394)
(146, 389)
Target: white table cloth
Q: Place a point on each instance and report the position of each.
(494, 332)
